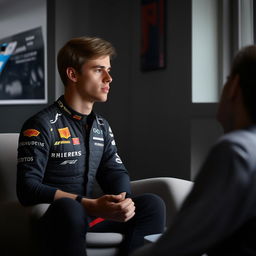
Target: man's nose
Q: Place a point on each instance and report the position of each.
(107, 78)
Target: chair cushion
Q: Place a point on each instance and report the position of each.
(95, 239)
(102, 251)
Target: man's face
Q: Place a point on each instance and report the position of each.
(94, 79)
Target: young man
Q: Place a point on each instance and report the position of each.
(65, 147)
(219, 215)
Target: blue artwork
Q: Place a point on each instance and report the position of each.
(22, 72)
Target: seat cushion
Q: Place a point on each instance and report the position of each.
(95, 239)
(102, 251)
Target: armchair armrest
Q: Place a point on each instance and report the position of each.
(172, 190)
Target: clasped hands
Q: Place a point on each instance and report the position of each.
(111, 207)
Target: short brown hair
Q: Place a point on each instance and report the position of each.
(244, 65)
(79, 50)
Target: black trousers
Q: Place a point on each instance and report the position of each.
(63, 227)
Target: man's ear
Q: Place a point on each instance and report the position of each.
(234, 90)
(71, 74)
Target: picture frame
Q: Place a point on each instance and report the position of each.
(153, 35)
(22, 68)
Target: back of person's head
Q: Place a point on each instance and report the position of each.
(79, 50)
(244, 65)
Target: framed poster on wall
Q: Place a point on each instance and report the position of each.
(153, 35)
(22, 68)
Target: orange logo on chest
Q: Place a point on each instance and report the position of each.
(64, 133)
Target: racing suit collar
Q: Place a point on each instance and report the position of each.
(68, 111)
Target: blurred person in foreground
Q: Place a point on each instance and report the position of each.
(219, 215)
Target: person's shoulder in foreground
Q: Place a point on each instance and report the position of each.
(218, 216)
(241, 142)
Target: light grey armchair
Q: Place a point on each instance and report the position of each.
(15, 221)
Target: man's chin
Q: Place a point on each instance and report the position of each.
(102, 99)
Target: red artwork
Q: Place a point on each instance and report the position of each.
(153, 34)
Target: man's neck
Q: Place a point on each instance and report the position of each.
(241, 119)
(78, 104)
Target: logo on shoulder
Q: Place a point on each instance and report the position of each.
(64, 133)
(31, 133)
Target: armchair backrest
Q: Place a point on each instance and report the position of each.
(8, 166)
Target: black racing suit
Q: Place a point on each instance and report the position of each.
(62, 149)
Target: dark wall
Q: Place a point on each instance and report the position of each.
(161, 103)
(148, 111)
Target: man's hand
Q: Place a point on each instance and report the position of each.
(111, 207)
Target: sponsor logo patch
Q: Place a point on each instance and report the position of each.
(31, 133)
(77, 117)
(69, 162)
(66, 154)
(56, 118)
(97, 131)
(98, 138)
(110, 132)
(64, 133)
(76, 141)
(118, 159)
(98, 144)
(59, 142)
(31, 143)
(25, 159)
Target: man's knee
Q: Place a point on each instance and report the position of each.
(150, 202)
(150, 212)
(67, 212)
(63, 227)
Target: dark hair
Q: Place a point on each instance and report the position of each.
(244, 65)
(79, 50)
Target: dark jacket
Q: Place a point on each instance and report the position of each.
(62, 149)
(218, 216)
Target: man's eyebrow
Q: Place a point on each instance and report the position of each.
(99, 66)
